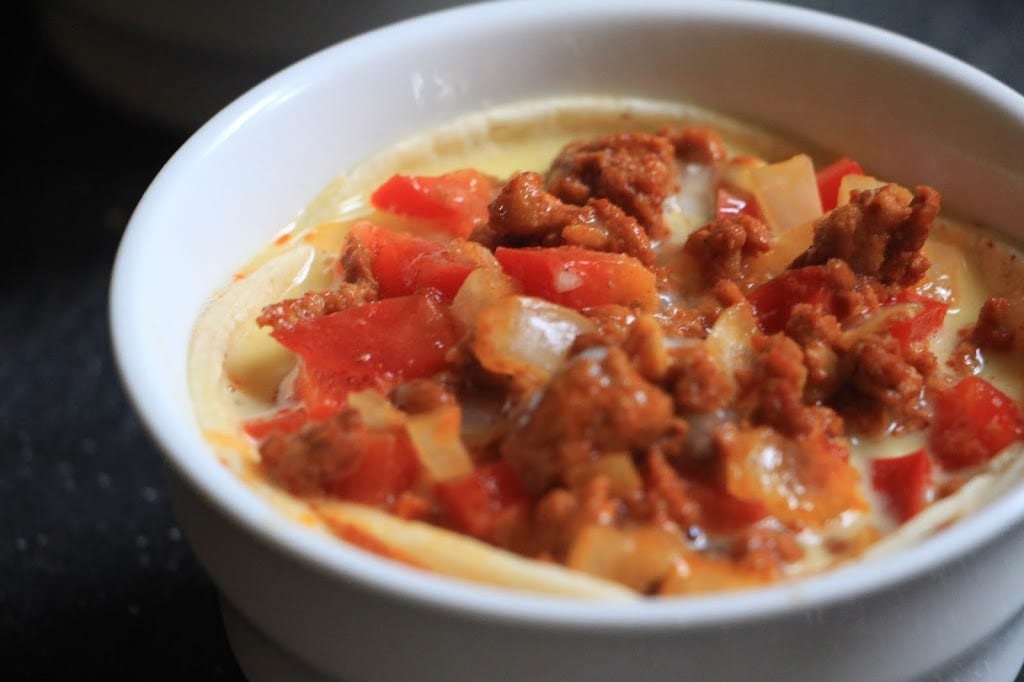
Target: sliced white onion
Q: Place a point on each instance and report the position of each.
(254, 361)
(483, 287)
(852, 182)
(694, 204)
(787, 193)
(526, 336)
(879, 321)
(375, 410)
(436, 437)
(729, 341)
(217, 335)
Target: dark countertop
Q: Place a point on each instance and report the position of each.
(96, 580)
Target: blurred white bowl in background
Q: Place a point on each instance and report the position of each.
(179, 62)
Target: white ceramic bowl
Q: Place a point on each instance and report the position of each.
(908, 111)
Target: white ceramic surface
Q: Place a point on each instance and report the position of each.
(901, 108)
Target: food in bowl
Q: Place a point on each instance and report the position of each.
(608, 347)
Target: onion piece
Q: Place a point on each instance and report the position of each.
(852, 182)
(798, 480)
(945, 276)
(254, 361)
(636, 557)
(729, 341)
(879, 320)
(735, 172)
(694, 204)
(787, 247)
(435, 436)
(483, 287)
(526, 336)
(375, 410)
(787, 193)
(220, 331)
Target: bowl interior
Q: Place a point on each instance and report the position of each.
(905, 110)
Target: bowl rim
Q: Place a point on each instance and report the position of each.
(204, 474)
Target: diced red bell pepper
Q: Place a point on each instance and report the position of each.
(403, 264)
(473, 502)
(974, 421)
(377, 344)
(580, 278)
(831, 176)
(730, 202)
(773, 301)
(387, 467)
(923, 325)
(284, 421)
(903, 482)
(325, 391)
(455, 202)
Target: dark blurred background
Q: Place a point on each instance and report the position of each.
(95, 579)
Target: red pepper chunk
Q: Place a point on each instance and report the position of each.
(580, 278)
(830, 177)
(377, 344)
(455, 202)
(396, 338)
(923, 325)
(403, 264)
(903, 482)
(974, 421)
(387, 467)
(773, 301)
(284, 421)
(324, 391)
(472, 503)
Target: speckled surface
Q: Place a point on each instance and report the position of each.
(96, 580)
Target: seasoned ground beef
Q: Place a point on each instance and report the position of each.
(603, 226)
(878, 233)
(771, 393)
(884, 388)
(820, 336)
(696, 144)
(314, 304)
(698, 383)
(725, 247)
(591, 406)
(355, 264)
(316, 459)
(524, 214)
(645, 344)
(1000, 324)
(612, 322)
(635, 171)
